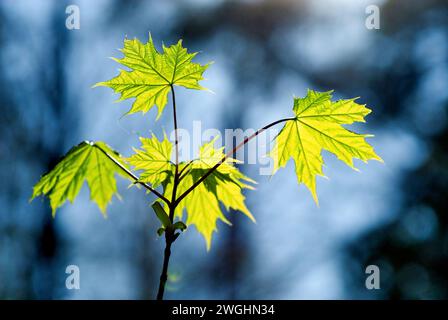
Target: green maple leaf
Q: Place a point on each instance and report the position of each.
(224, 186)
(86, 161)
(153, 159)
(153, 74)
(317, 126)
(203, 205)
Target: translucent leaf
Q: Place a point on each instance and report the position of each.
(154, 159)
(84, 162)
(223, 187)
(153, 73)
(317, 126)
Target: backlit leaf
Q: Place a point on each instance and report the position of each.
(153, 159)
(153, 73)
(318, 126)
(223, 187)
(84, 162)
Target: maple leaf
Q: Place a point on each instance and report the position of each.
(317, 126)
(86, 161)
(202, 205)
(153, 74)
(153, 159)
(224, 186)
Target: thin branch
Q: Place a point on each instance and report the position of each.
(176, 144)
(133, 176)
(169, 233)
(183, 170)
(176, 134)
(226, 156)
(166, 261)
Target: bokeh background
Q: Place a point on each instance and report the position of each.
(393, 215)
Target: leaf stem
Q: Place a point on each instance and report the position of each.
(169, 233)
(133, 176)
(226, 156)
(169, 239)
(176, 145)
(183, 170)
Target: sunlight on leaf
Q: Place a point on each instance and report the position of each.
(85, 161)
(152, 74)
(203, 204)
(317, 126)
(223, 187)
(153, 159)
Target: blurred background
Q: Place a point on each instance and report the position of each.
(392, 215)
